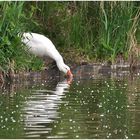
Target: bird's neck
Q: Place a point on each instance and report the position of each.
(59, 60)
(59, 63)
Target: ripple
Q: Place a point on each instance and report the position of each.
(88, 108)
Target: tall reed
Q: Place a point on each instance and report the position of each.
(100, 30)
(97, 29)
(115, 24)
(13, 55)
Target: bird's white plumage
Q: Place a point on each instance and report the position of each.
(42, 46)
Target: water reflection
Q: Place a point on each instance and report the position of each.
(93, 106)
(41, 109)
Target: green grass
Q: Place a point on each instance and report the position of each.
(97, 30)
(13, 55)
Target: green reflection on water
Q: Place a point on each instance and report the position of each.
(91, 108)
(10, 112)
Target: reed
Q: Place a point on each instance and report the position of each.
(97, 30)
(13, 55)
(115, 24)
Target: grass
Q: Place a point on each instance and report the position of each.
(13, 55)
(93, 30)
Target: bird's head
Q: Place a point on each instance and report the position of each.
(66, 70)
(68, 74)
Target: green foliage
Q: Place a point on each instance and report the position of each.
(99, 30)
(115, 24)
(13, 55)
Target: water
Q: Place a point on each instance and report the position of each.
(92, 106)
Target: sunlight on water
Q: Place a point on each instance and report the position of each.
(41, 109)
(92, 106)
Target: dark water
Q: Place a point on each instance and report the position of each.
(92, 106)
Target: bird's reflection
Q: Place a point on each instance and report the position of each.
(42, 108)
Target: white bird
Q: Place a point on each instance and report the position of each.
(40, 45)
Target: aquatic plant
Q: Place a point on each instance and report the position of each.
(116, 21)
(13, 55)
(96, 30)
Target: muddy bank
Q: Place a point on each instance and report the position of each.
(85, 70)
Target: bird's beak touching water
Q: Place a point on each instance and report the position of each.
(69, 77)
(69, 73)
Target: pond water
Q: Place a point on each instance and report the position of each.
(92, 106)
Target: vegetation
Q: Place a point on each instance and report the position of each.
(91, 30)
(13, 56)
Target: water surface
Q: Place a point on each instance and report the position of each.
(92, 106)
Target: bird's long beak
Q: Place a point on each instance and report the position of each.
(69, 77)
(69, 73)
